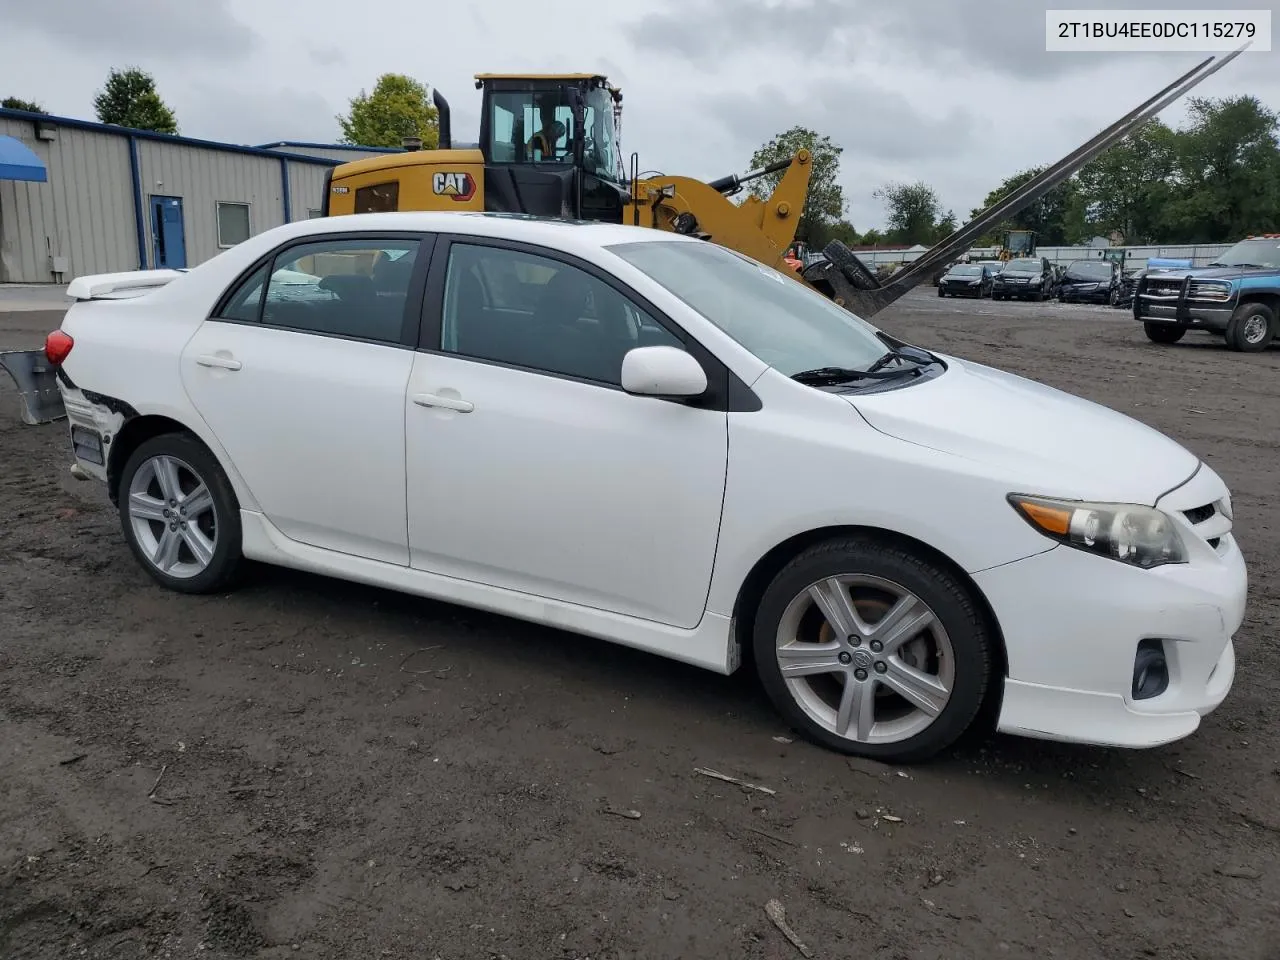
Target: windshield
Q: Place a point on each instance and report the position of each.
(1090, 270)
(1022, 266)
(965, 272)
(786, 324)
(1251, 253)
(602, 156)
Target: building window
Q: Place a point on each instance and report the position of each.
(233, 223)
(379, 198)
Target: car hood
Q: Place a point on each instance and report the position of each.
(1212, 273)
(1047, 441)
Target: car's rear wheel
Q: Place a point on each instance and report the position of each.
(1251, 328)
(180, 515)
(872, 649)
(1164, 332)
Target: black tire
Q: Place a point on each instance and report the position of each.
(1244, 321)
(1164, 332)
(954, 607)
(196, 464)
(940, 293)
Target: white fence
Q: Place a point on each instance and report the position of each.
(1135, 257)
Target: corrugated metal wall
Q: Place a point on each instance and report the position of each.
(202, 177)
(83, 212)
(306, 188)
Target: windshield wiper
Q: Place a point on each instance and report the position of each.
(1256, 266)
(879, 370)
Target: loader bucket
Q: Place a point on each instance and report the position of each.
(858, 290)
(37, 385)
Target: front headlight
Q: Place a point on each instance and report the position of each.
(1128, 532)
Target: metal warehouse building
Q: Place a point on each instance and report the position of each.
(78, 197)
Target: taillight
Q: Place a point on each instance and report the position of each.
(56, 347)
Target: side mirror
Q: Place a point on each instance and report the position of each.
(662, 372)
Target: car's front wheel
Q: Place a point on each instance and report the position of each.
(873, 649)
(180, 515)
(1251, 328)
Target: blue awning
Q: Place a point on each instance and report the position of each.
(18, 162)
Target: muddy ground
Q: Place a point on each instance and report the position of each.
(310, 768)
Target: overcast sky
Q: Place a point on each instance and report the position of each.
(959, 93)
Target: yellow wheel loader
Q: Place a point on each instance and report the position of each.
(549, 147)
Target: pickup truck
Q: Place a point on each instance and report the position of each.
(1237, 297)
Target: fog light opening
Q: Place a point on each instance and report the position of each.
(1150, 670)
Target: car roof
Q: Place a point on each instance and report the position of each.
(558, 233)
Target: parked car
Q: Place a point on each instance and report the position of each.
(1091, 281)
(652, 440)
(1128, 283)
(1027, 278)
(965, 280)
(1235, 297)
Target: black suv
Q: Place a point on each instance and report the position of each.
(1091, 281)
(1027, 278)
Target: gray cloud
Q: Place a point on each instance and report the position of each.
(154, 30)
(958, 93)
(326, 56)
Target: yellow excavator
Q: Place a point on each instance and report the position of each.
(549, 147)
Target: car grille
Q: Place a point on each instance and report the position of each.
(1163, 288)
(1200, 514)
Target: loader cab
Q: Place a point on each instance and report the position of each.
(550, 146)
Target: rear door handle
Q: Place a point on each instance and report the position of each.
(446, 403)
(226, 363)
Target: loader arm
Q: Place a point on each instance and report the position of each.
(853, 286)
(760, 229)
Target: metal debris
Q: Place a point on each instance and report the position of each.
(777, 914)
(619, 812)
(728, 779)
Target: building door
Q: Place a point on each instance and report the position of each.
(167, 236)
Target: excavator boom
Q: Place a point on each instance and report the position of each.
(852, 285)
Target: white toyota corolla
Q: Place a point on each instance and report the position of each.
(649, 439)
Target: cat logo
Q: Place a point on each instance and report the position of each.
(456, 186)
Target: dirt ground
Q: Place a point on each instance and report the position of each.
(316, 769)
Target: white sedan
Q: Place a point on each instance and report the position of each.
(649, 439)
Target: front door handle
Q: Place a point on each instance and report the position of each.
(446, 403)
(226, 363)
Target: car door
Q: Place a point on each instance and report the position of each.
(529, 467)
(300, 372)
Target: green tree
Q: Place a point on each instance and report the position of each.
(129, 99)
(1226, 181)
(1057, 217)
(398, 107)
(1127, 187)
(16, 103)
(914, 211)
(824, 233)
(825, 204)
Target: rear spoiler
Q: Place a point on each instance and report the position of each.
(120, 286)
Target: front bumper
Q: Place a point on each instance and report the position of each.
(1068, 295)
(1182, 311)
(1022, 291)
(962, 290)
(1071, 650)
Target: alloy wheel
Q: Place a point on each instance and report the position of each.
(1255, 328)
(865, 658)
(173, 516)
